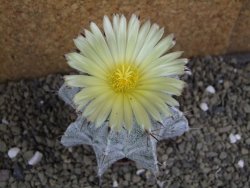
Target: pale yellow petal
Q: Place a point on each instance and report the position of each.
(105, 111)
(116, 116)
(140, 113)
(168, 58)
(90, 92)
(110, 37)
(141, 39)
(133, 30)
(158, 101)
(85, 47)
(148, 105)
(95, 103)
(121, 37)
(153, 37)
(83, 81)
(168, 85)
(159, 49)
(105, 51)
(83, 64)
(128, 115)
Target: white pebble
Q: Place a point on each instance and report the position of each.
(12, 153)
(4, 121)
(36, 158)
(232, 138)
(210, 89)
(204, 106)
(238, 137)
(140, 171)
(115, 183)
(160, 183)
(188, 72)
(241, 163)
(221, 81)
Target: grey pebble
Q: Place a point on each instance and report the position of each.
(136, 179)
(4, 175)
(244, 151)
(3, 147)
(223, 155)
(42, 178)
(224, 129)
(28, 154)
(248, 141)
(18, 172)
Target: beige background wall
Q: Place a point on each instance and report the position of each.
(34, 35)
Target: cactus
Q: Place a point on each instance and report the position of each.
(109, 146)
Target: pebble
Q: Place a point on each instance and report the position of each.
(36, 158)
(204, 106)
(238, 137)
(224, 129)
(4, 175)
(210, 89)
(244, 151)
(248, 141)
(223, 155)
(115, 183)
(188, 72)
(160, 183)
(12, 153)
(18, 172)
(3, 147)
(136, 179)
(241, 163)
(42, 178)
(140, 171)
(4, 121)
(232, 138)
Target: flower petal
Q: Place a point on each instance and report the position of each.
(83, 64)
(96, 102)
(83, 81)
(133, 29)
(128, 114)
(153, 37)
(104, 112)
(148, 105)
(140, 113)
(116, 116)
(86, 49)
(110, 38)
(140, 39)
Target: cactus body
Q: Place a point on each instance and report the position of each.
(109, 146)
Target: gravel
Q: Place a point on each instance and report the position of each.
(34, 118)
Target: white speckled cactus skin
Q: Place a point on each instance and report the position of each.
(110, 146)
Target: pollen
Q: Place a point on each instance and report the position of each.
(124, 77)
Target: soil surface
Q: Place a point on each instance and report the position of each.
(33, 118)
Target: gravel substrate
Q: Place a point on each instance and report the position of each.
(214, 153)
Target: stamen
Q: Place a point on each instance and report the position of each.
(124, 77)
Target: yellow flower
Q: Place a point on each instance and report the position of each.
(126, 73)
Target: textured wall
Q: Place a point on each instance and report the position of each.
(240, 38)
(34, 35)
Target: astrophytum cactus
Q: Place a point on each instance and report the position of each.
(124, 92)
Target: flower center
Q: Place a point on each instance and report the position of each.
(124, 77)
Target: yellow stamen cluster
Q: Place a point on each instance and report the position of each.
(124, 77)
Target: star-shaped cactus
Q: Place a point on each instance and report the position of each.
(110, 146)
